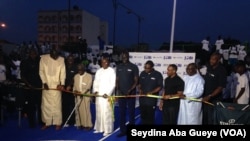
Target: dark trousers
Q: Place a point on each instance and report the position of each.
(147, 114)
(124, 105)
(170, 111)
(170, 115)
(208, 114)
(33, 106)
(2, 93)
(68, 104)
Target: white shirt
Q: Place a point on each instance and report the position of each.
(219, 43)
(242, 54)
(205, 44)
(203, 70)
(242, 83)
(16, 72)
(93, 67)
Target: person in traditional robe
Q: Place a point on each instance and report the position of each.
(190, 112)
(53, 74)
(104, 85)
(82, 85)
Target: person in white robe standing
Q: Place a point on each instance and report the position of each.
(82, 84)
(190, 112)
(53, 74)
(104, 85)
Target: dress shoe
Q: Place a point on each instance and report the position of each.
(105, 134)
(87, 128)
(96, 132)
(58, 127)
(121, 135)
(79, 127)
(45, 127)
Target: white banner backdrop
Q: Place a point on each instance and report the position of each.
(162, 60)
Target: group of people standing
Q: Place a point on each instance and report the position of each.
(231, 51)
(60, 78)
(184, 100)
(63, 84)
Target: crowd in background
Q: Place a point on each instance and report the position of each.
(233, 56)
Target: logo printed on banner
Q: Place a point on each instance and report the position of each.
(157, 57)
(165, 65)
(130, 56)
(138, 64)
(162, 60)
(157, 64)
(137, 56)
(147, 57)
(167, 57)
(230, 122)
(177, 57)
(188, 58)
(178, 65)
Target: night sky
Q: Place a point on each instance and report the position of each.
(195, 19)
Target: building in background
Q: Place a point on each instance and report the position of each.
(53, 27)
